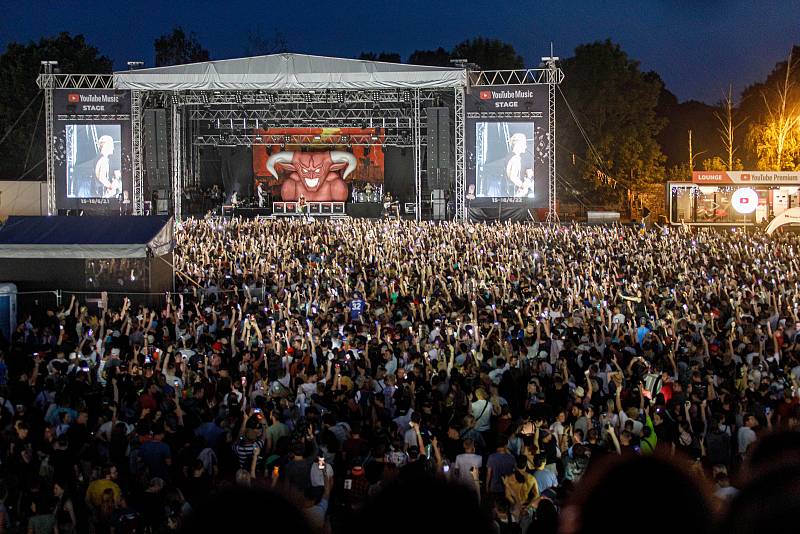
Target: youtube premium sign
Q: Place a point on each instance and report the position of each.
(746, 177)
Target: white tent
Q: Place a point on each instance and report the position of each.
(790, 216)
(289, 72)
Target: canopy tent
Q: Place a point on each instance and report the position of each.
(61, 237)
(289, 72)
(790, 216)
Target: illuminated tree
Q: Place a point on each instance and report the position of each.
(776, 138)
(718, 164)
(727, 132)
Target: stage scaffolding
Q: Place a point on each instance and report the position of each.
(230, 117)
(550, 75)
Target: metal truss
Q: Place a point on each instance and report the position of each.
(417, 136)
(505, 115)
(460, 159)
(555, 77)
(49, 80)
(137, 168)
(92, 118)
(46, 81)
(177, 165)
(234, 139)
(291, 97)
(380, 117)
(551, 75)
(542, 76)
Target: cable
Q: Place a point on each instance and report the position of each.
(11, 128)
(26, 173)
(33, 136)
(592, 149)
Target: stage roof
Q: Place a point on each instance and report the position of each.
(87, 237)
(289, 72)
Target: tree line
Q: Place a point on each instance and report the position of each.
(619, 127)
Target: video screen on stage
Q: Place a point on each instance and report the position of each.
(93, 160)
(92, 150)
(505, 159)
(326, 166)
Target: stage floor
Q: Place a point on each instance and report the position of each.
(356, 210)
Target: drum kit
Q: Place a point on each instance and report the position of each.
(366, 193)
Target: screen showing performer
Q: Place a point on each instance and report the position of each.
(504, 153)
(93, 160)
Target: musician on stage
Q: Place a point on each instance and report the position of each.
(262, 194)
(108, 183)
(519, 168)
(390, 206)
(302, 207)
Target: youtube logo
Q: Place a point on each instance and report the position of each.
(486, 95)
(73, 98)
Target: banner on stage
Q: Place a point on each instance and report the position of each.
(318, 172)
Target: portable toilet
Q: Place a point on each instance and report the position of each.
(8, 309)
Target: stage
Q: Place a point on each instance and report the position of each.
(356, 210)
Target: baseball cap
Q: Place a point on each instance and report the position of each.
(579, 392)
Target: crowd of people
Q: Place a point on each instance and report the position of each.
(509, 377)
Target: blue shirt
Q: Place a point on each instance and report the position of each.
(640, 333)
(545, 479)
(356, 309)
(502, 464)
(154, 455)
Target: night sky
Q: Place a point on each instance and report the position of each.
(697, 46)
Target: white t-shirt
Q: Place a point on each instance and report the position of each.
(745, 437)
(317, 480)
(482, 412)
(410, 438)
(106, 428)
(726, 493)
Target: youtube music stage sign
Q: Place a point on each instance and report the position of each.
(510, 98)
(92, 149)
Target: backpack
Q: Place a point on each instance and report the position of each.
(718, 447)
